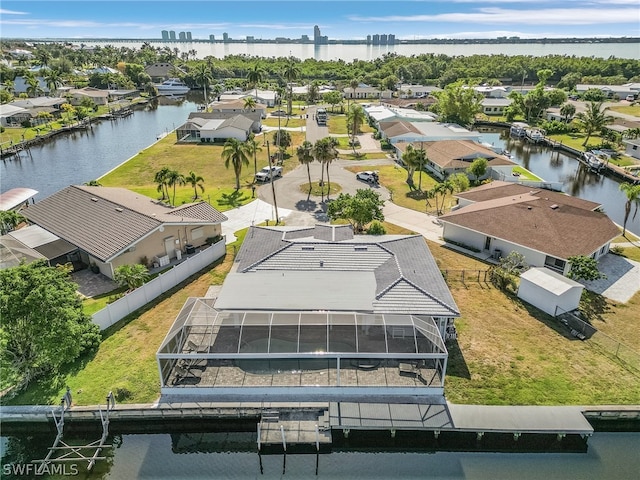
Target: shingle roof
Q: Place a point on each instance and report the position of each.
(104, 221)
(460, 153)
(500, 189)
(407, 278)
(547, 225)
(394, 129)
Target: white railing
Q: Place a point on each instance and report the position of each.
(132, 301)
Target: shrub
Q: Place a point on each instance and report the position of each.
(617, 250)
(122, 393)
(376, 228)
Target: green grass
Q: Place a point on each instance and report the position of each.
(317, 190)
(526, 174)
(628, 109)
(290, 122)
(632, 253)
(204, 159)
(338, 125)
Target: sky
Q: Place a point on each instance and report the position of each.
(337, 19)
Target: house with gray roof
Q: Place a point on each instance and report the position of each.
(546, 227)
(111, 227)
(219, 125)
(316, 311)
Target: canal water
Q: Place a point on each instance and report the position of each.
(85, 156)
(610, 456)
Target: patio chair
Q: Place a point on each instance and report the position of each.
(182, 372)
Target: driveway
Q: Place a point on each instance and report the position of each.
(250, 214)
(623, 278)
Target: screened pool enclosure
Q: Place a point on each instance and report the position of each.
(210, 351)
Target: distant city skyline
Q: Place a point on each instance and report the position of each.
(339, 20)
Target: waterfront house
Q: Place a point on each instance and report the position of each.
(237, 107)
(20, 85)
(446, 157)
(316, 311)
(384, 113)
(162, 71)
(495, 106)
(34, 106)
(12, 115)
(111, 227)
(217, 126)
(546, 227)
(77, 95)
(32, 243)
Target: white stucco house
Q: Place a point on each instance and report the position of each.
(546, 227)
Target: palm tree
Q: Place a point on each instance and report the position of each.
(305, 156)
(409, 159)
(254, 77)
(196, 182)
(593, 119)
(202, 75)
(161, 179)
(421, 159)
(174, 178)
(253, 147)
(324, 152)
(355, 118)
(633, 197)
(33, 86)
(567, 110)
(354, 85)
(291, 73)
(54, 81)
(249, 103)
(235, 153)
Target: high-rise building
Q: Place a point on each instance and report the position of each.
(165, 35)
(225, 37)
(368, 39)
(304, 38)
(172, 35)
(391, 39)
(375, 39)
(250, 38)
(383, 39)
(189, 36)
(212, 38)
(316, 34)
(182, 36)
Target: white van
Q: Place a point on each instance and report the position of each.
(630, 98)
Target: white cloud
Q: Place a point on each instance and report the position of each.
(11, 12)
(550, 16)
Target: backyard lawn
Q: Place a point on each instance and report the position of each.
(506, 352)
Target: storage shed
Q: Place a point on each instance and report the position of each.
(549, 291)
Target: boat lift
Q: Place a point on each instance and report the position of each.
(75, 453)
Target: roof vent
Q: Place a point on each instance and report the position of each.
(118, 209)
(322, 263)
(554, 206)
(94, 199)
(360, 249)
(529, 207)
(307, 247)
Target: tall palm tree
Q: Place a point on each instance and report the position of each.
(160, 178)
(291, 72)
(324, 153)
(633, 197)
(409, 158)
(253, 147)
(235, 153)
(202, 75)
(249, 103)
(174, 178)
(196, 182)
(305, 156)
(9, 220)
(354, 86)
(254, 77)
(593, 119)
(355, 118)
(54, 81)
(421, 159)
(33, 86)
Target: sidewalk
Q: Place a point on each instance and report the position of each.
(426, 225)
(252, 213)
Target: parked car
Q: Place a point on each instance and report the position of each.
(630, 98)
(368, 176)
(266, 173)
(279, 113)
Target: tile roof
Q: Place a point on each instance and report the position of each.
(460, 153)
(407, 278)
(548, 225)
(104, 221)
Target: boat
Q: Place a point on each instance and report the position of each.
(592, 161)
(534, 135)
(173, 86)
(518, 129)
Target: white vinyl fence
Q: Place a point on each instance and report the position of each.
(141, 296)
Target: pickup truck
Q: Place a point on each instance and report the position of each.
(267, 173)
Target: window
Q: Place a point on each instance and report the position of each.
(197, 233)
(554, 263)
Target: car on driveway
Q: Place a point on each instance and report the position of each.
(279, 113)
(266, 173)
(368, 176)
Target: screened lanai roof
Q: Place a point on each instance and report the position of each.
(263, 334)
